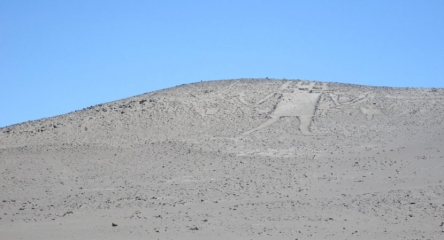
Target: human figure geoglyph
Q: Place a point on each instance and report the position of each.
(301, 102)
(298, 102)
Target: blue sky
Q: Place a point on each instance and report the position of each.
(60, 56)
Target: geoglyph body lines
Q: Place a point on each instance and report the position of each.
(300, 99)
(359, 99)
(300, 102)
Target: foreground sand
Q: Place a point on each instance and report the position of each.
(238, 159)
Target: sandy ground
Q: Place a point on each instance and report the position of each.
(234, 159)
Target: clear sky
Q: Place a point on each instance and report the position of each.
(59, 56)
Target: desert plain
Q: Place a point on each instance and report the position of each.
(231, 159)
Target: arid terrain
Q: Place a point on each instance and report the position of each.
(231, 159)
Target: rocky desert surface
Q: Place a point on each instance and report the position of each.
(231, 159)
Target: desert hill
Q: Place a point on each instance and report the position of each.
(232, 159)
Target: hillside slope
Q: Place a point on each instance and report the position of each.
(233, 159)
